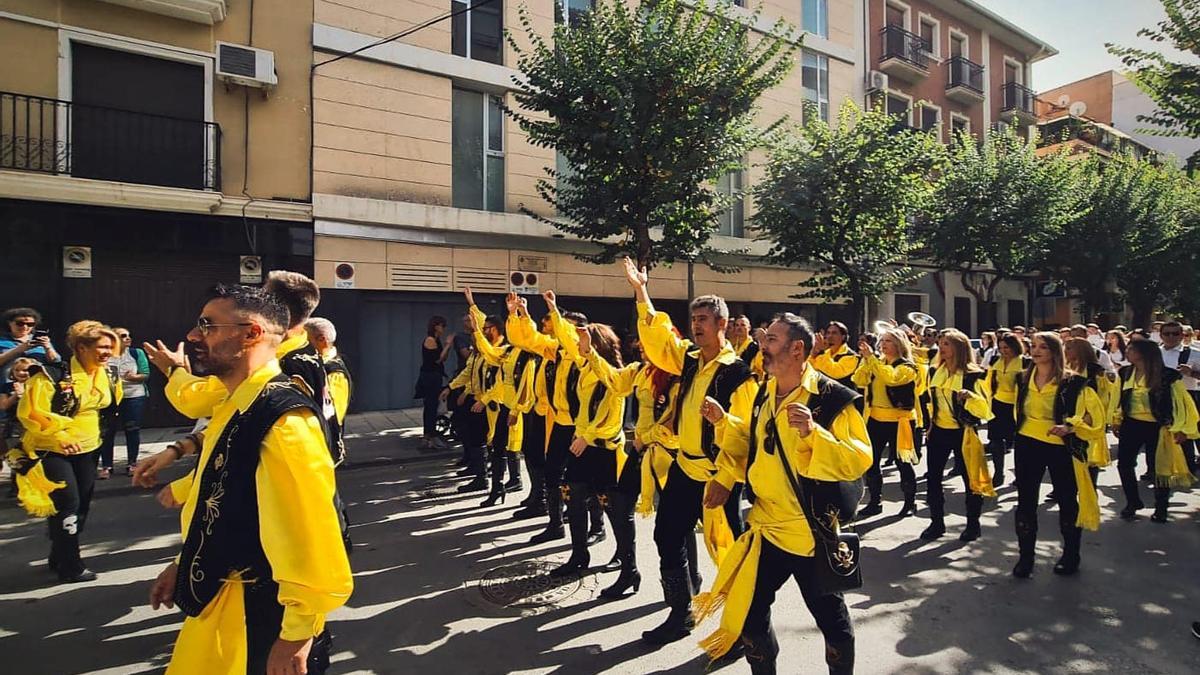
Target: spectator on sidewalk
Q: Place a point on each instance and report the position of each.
(22, 338)
(431, 377)
(134, 370)
(11, 392)
(323, 335)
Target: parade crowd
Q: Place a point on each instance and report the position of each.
(760, 448)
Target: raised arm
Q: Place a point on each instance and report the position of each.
(490, 353)
(664, 348)
(523, 333)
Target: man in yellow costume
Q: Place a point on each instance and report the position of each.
(262, 560)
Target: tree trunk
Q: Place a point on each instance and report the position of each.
(857, 303)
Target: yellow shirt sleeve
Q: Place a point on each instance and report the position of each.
(34, 410)
(664, 349)
(841, 453)
(863, 375)
(463, 379)
(526, 396)
(339, 391)
(1184, 410)
(838, 369)
(978, 403)
(1089, 419)
(524, 334)
(490, 352)
(193, 396)
(181, 487)
(299, 525)
(619, 380)
(568, 339)
(732, 435)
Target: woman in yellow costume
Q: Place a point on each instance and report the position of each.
(890, 382)
(1058, 416)
(61, 416)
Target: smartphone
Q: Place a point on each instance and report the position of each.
(40, 333)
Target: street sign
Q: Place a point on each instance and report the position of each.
(343, 275)
(77, 262)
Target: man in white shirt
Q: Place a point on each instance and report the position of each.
(1187, 361)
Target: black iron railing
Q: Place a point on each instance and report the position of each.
(60, 137)
(962, 72)
(1017, 98)
(909, 47)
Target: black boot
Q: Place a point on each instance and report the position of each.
(974, 508)
(1068, 564)
(874, 485)
(693, 567)
(873, 508)
(910, 498)
(70, 568)
(514, 483)
(478, 468)
(761, 651)
(937, 523)
(596, 532)
(998, 468)
(677, 592)
(620, 513)
(1026, 541)
(839, 656)
(1162, 497)
(535, 504)
(575, 496)
(554, 502)
(498, 491)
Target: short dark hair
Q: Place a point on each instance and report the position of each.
(254, 301)
(297, 292)
(435, 320)
(798, 329)
(18, 312)
(841, 327)
(494, 320)
(577, 318)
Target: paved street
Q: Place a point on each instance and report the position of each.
(443, 586)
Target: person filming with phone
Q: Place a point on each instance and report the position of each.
(21, 336)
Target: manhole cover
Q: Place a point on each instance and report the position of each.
(527, 585)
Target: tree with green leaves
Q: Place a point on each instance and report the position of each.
(843, 197)
(649, 104)
(1173, 86)
(997, 209)
(1135, 205)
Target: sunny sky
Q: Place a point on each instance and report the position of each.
(1079, 29)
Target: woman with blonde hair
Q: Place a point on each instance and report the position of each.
(889, 380)
(61, 414)
(959, 395)
(1059, 417)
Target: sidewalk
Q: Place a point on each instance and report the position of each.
(377, 438)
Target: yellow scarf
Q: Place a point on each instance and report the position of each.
(656, 462)
(33, 487)
(906, 449)
(978, 475)
(1089, 506)
(1170, 467)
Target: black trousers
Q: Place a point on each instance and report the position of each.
(499, 445)
(429, 414)
(1189, 446)
(883, 436)
(1135, 435)
(942, 444)
(680, 506)
(775, 566)
(72, 503)
(1033, 458)
(264, 619)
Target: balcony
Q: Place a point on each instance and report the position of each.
(1017, 104)
(964, 81)
(199, 11)
(904, 54)
(45, 135)
(1081, 136)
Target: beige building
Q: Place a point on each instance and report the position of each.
(149, 149)
(418, 180)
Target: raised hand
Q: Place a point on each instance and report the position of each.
(163, 357)
(636, 278)
(469, 296)
(510, 301)
(585, 340)
(551, 301)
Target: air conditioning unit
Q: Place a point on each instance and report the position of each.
(247, 66)
(877, 81)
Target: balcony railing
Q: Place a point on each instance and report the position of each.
(1018, 99)
(1102, 137)
(908, 47)
(964, 73)
(60, 137)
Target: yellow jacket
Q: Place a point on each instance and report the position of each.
(1002, 379)
(875, 376)
(299, 532)
(524, 335)
(45, 430)
(943, 385)
(512, 390)
(837, 364)
(470, 379)
(668, 351)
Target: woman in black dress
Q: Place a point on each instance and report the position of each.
(431, 377)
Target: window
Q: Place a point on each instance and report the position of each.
(897, 106)
(962, 315)
(958, 46)
(896, 15)
(477, 33)
(1012, 71)
(814, 80)
(907, 303)
(929, 31)
(1016, 312)
(815, 17)
(575, 10)
(477, 133)
(959, 124)
(931, 118)
(732, 220)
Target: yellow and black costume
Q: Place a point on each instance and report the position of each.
(953, 430)
(891, 401)
(470, 426)
(1002, 379)
(779, 541)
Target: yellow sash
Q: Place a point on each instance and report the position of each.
(979, 477)
(1170, 467)
(906, 449)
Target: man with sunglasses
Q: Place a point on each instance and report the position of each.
(803, 425)
(262, 563)
(1186, 360)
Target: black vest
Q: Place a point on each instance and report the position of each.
(1065, 400)
(831, 399)
(336, 432)
(750, 352)
(223, 536)
(63, 401)
(902, 396)
(306, 368)
(959, 411)
(725, 381)
(1161, 403)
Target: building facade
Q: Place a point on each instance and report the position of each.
(418, 179)
(947, 67)
(146, 153)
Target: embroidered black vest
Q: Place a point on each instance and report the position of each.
(1065, 400)
(959, 409)
(902, 396)
(64, 401)
(223, 536)
(831, 399)
(336, 432)
(1161, 403)
(725, 381)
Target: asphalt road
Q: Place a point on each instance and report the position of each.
(443, 586)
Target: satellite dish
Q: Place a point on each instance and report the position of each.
(1064, 100)
(1077, 109)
